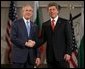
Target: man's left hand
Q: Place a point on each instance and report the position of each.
(38, 61)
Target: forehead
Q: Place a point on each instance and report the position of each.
(52, 7)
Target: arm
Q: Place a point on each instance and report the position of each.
(42, 38)
(39, 40)
(37, 51)
(68, 36)
(15, 37)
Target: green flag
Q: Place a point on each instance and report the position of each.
(38, 19)
(81, 54)
(81, 47)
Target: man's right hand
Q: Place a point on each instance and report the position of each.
(30, 43)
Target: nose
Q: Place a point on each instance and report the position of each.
(51, 10)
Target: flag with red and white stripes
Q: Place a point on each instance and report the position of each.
(11, 16)
(73, 61)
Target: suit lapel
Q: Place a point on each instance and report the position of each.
(31, 30)
(57, 24)
(49, 24)
(24, 29)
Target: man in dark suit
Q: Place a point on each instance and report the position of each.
(23, 37)
(57, 33)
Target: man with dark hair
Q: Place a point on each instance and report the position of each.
(57, 33)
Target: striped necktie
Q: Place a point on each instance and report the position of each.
(52, 24)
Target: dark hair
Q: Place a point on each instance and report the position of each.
(54, 4)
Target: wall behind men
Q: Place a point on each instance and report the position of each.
(65, 10)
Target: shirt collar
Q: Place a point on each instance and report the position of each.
(56, 19)
(26, 20)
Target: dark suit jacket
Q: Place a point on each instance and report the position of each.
(21, 53)
(59, 41)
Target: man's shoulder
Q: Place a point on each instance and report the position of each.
(34, 24)
(18, 20)
(63, 19)
(46, 22)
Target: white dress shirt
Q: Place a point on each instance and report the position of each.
(27, 25)
(56, 19)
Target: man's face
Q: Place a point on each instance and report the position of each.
(53, 12)
(27, 12)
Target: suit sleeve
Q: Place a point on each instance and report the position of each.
(36, 39)
(43, 34)
(37, 53)
(40, 40)
(68, 36)
(14, 36)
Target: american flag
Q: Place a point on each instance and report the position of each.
(73, 61)
(12, 16)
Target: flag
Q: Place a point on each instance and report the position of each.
(11, 16)
(38, 19)
(81, 46)
(73, 61)
(81, 54)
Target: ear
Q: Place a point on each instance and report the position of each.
(57, 11)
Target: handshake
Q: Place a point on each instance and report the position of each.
(30, 43)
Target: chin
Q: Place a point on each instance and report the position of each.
(52, 17)
(27, 18)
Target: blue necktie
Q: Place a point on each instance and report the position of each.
(28, 28)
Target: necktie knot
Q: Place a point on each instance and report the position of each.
(53, 20)
(27, 22)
